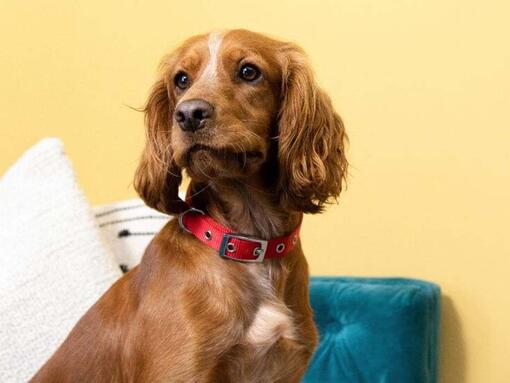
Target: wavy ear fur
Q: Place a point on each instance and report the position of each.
(312, 163)
(157, 178)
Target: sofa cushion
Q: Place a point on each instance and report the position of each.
(375, 330)
(53, 265)
(128, 227)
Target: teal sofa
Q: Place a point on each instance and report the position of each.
(375, 330)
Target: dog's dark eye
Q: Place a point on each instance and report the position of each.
(181, 80)
(249, 72)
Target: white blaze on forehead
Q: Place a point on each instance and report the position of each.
(214, 43)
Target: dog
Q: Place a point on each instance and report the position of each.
(221, 293)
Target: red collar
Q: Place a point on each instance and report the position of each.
(233, 245)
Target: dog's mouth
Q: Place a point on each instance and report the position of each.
(209, 162)
(226, 154)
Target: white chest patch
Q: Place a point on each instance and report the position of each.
(271, 323)
(214, 44)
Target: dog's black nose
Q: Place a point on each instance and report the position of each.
(191, 114)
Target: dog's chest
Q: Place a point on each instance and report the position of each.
(270, 335)
(269, 341)
(271, 322)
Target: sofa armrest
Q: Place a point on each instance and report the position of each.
(375, 330)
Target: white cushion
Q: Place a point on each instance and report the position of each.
(53, 264)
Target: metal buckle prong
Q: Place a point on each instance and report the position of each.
(261, 250)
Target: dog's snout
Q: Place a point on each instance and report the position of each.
(191, 114)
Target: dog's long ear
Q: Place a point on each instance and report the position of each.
(312, 163)
(157, 178)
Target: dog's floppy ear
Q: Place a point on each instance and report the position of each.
(311, 156)
(157, 178)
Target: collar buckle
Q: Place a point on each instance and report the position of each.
(181, 218)
(228, 247)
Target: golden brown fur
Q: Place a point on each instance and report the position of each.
(274, 149)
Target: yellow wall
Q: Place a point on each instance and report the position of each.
(423, 86)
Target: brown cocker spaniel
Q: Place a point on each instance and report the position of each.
(242, 115)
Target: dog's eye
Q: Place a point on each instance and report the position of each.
(181, 80)
(249, 72)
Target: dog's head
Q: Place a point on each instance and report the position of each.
(233, 105)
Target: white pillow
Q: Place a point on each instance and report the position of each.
(53, 264)
(128, 227)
